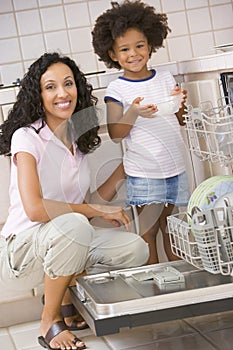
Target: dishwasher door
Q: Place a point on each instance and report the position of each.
(149, 294)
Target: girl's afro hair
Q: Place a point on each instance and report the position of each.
(116, 21)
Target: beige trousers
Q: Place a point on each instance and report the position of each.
(65, 246)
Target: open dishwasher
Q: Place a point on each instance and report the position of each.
(202, 281)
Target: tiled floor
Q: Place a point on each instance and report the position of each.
(211, 332)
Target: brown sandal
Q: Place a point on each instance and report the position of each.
(53, 331)
(69, 311)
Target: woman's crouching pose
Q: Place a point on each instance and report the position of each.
(47, 236)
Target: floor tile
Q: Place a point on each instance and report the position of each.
(212, 322)
(92, 342)
(152, 346)
(25, 335)
(171, 329)
(25, 338)
(5, 340)
(213, 332)
(222, 338)
(83, 333)
(190, 342)
(138, 336)
(36, 347)
(95, 343)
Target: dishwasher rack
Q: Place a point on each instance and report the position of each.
(203, 243)
(210, 132)
(205, 239)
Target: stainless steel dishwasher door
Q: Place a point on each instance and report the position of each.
(140, 296)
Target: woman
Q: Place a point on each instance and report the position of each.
(47, 235)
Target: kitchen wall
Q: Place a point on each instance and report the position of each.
(29, 28)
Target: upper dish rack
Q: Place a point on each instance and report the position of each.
(210, 132)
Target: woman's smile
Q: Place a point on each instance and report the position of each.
(63, 105)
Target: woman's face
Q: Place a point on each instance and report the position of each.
(59, 93)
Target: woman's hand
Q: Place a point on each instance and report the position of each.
(145, 111)
(114, 214)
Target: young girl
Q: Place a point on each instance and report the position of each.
(47, 236)
(124, 37)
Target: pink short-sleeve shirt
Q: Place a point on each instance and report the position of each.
(64, 176)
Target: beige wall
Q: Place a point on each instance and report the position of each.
(29, 28)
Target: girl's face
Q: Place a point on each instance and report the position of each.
(132, 52)
(59, 94)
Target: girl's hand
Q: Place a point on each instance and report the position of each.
(182, 109)
(145, 111)
(177, 90)
(114, 214)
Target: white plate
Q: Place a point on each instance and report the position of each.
(220, 203)
(210, 191)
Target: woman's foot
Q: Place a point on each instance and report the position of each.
(73, 320)
(56, 336)
(75, 323)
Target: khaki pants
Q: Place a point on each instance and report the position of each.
(65, 246)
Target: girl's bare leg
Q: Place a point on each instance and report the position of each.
(149, 227)
(167, 211)
(55, 290)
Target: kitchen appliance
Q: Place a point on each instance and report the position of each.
(227, 86)
(210, 132)
(204, 235)
(149, 294)
(198, 284)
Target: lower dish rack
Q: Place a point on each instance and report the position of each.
(205, 240)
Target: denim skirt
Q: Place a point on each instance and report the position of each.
(173, 190)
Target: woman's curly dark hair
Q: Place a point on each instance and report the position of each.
(29, 107)
(129, 14)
